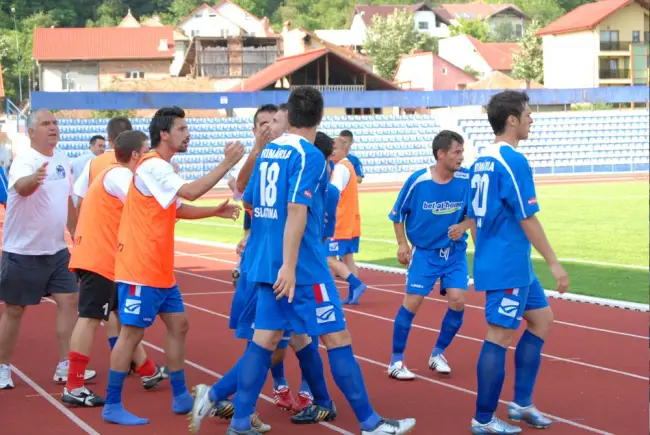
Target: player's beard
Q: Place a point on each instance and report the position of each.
(183, 147)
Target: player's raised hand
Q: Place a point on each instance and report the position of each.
(227, 211)
(561, 277)
(234, 152)
(285, 284)
(404, 254)
(241, 246)
(263, 136)
(456, 231)
(41, 174)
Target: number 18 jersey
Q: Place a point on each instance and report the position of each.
(502, 193)
(288, 170)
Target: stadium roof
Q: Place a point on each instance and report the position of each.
(103, 43)
(2, 86)
(498, 55)
(285, 66)
(586, 17)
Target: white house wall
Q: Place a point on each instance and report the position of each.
(242, 19)
(84, 76)
(460, 51)
(208, 23)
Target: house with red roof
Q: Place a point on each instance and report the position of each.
(426, 71)
(496, 14)
(92, 59)
(598, 44)
(467, 52)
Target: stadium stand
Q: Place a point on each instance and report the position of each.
(560, 142)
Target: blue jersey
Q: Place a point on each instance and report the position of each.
(502, 193)
(356, 163)
(288, 170)
(331, 203)
(428, 208)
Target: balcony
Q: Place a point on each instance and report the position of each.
(605, 74)
(615, 45)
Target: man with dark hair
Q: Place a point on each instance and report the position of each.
(347, 138)
(93, 260)
(430, 213)
(287, 194)
(144, 263)
(504, 205)
(77, 165)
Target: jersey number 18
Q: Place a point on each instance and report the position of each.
(268, 183)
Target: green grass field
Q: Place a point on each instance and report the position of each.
(586, 224)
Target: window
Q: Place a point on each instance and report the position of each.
(68, 83)
(423, 25)
(646, 36)
(519, 31)
(444, 71)
(224, 33)
(636, 36)
(194, 33)
(134, 75)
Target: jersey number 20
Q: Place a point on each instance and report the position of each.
(480, 182)
(268, 183)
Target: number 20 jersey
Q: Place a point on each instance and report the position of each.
(502, 193)
(289, 170)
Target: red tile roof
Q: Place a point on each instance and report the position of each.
(441, 79)
(584, 17)
(2, 86)
(369, 11)
(286, 65)
(498, 55)
(479, 9)
(103, 43)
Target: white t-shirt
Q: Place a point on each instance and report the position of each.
(340, 176)
(83, 180)
(156, 177)
(117, 182)
(35, 224)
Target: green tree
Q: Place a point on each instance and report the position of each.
(503, 32)
(389, 38)
(179, 9)
(543, 11)
(479, 28)
(109, 13)
(528, 63)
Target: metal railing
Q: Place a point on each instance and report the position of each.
(335, 88)
(615, 45)
(13, 111)
(614, 74)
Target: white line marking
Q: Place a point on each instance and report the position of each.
(403, 272)
(207, 293)
(76, 420)
(469, 250)
(184, 272)
(433, 381)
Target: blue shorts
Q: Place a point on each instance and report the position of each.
(331, 247)
(347, 246)
(139, 305)
(506, 308)
(242, 312)
(427, 266)
(329, 311)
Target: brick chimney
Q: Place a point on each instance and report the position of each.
(266, 23)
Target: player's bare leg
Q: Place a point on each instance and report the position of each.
(175, 344)
(341, 269)
(9, 329)
(451, 324)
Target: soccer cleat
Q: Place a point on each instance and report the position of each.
(494, 426)
(315, 414)
(149, 382)
(201, 408)
(400, 372)
(283, 398)
(528, 414)
(250, 431)
(81, 397)
(258, 424)
(304, 400)
(392, 427)
(235, 276)
(61, 374)
(5, 377)
(439, 364)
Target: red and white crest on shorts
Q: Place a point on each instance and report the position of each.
(532, 201)
(308, 194)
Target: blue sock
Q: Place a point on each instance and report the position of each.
(528, 356)
(348, 377)
(491, 372)
(353, 281)
(311, 365)
(277, 371)
(304, 386)
(182, 402)
(114, 389)
(401, 330)
(451, 323)
(253, 369)
(226, 386)
(112, 341)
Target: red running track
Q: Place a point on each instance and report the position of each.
(593, 378)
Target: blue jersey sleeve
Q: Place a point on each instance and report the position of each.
(247, 197)
(358, 168)
(402, 206)
(517, 188)
(468, 198)
(306, 171)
